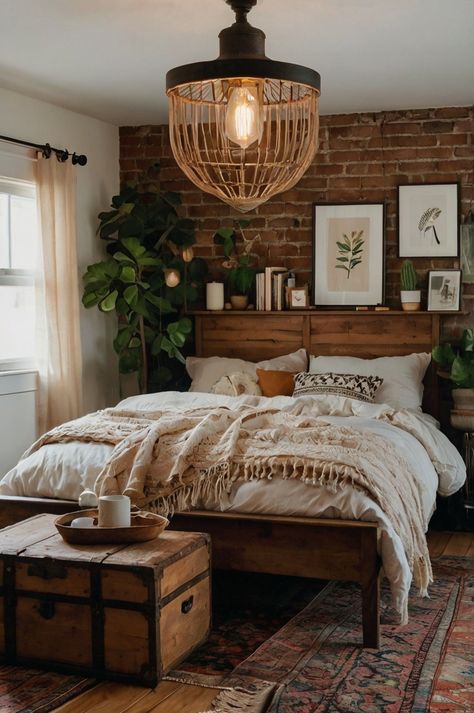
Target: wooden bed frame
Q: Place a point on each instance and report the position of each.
(309, 547)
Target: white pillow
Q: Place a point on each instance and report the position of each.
(402, 375)
(205, 371)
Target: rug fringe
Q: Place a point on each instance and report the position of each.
(238, 699)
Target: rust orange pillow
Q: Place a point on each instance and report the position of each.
(276, 383)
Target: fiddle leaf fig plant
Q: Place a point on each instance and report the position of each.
(149, 277)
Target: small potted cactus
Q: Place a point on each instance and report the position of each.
(409, 295)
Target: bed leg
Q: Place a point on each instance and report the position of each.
(370, 589)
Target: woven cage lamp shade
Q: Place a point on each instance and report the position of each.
(243, 127)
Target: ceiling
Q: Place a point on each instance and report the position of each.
(108, 58)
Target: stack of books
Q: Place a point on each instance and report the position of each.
(271, 289)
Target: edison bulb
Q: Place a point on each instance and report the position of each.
(244, 116)
(172, 278)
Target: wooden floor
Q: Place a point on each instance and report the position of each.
(170, 697)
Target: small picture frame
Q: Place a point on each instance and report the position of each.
(444, 290)
(298, 298)
(428, 220)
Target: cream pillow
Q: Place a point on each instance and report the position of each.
(206, 371)
(402, 375)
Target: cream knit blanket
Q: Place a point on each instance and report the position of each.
(166, 461)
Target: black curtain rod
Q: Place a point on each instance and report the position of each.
(47, 150)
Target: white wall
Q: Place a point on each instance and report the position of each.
(32, 120)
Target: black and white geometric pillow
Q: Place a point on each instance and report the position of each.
(353, 386)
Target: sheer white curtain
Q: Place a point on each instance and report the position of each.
(57, 296)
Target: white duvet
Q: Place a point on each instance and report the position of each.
(65, 470)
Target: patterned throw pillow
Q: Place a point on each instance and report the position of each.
(352, 386)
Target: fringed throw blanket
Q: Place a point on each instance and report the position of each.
(167, 461)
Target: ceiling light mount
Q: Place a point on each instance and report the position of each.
(243, 127)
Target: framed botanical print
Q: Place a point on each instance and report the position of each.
(444, 290)
(348, 254)
(428, 220)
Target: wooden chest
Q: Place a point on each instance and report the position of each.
(127, 613)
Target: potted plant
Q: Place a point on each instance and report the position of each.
(148, 278)
(458, 365)
(409, 295)
(239, 273)
(241, 279)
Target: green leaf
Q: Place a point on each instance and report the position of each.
(91, 299)
(130, 361)
(462, 372)
(126, 208)
(121, 306)
(141, 307)
(443, 354)
(134, 247)
(467, 342)
(121, 257)
(178, 339)
(166, 345)
(131, 295)
(225, 233)
(135, 342)
(343, 247)
(342, 259)
(127, 274)
(108, 304)
(185, 325)
(156, 346)
(122, 339)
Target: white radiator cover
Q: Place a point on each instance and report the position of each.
(18, 427)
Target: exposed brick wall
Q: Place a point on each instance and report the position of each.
(361, 157)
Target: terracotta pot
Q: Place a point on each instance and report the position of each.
(411, 300)
(239, 301)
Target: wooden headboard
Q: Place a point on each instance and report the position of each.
(255, 336)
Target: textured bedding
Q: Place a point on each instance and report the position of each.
(64, 470)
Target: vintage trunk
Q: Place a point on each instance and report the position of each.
(124, 612)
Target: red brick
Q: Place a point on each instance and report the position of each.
(452, 112)
(346, 182)
(438, 127)
(412, 128)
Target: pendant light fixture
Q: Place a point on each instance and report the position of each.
(243, 127)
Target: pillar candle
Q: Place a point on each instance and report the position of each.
(215, 295)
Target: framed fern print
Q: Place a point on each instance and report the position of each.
(348, 254)
(428, 220)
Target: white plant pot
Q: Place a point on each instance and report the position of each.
(411, 300)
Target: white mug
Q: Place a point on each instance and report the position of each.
(114, 511)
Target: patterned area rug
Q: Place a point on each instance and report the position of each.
(25, 690)
(318, 664)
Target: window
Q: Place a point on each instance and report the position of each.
(18, 253)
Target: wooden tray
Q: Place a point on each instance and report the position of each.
(142, 529)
